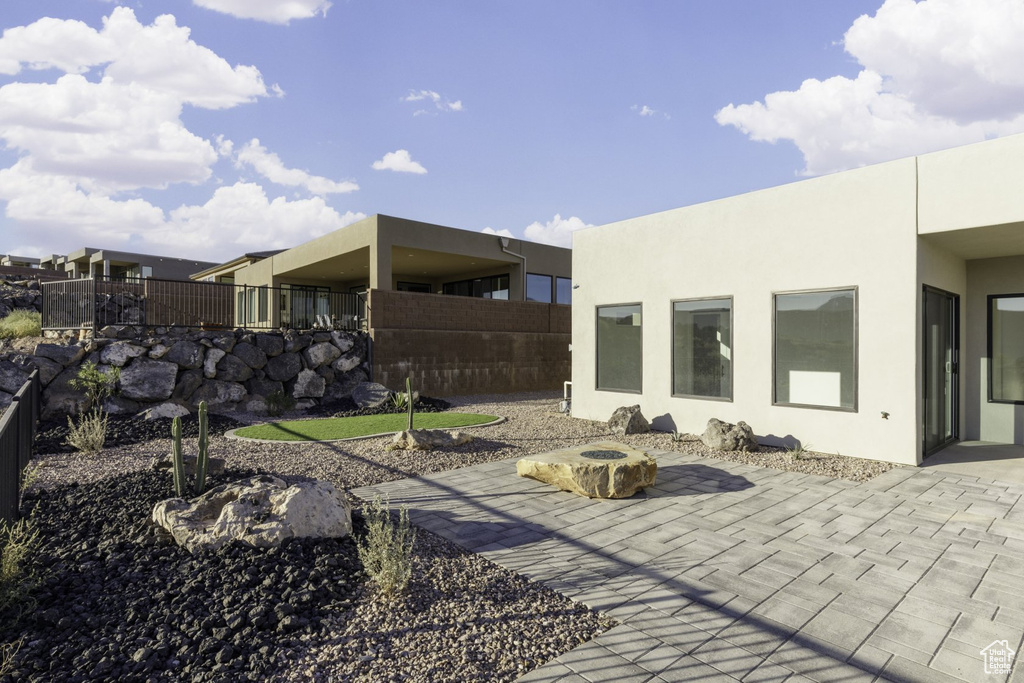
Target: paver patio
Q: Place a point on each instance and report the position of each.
(725, 571)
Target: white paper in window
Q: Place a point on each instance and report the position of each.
(815, 388)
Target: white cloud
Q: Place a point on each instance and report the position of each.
(399, 161)
(558, 231)
(936, 73)
(237, 218)
(270, 166)
(504, 232)
(271, 11)
(71, 46)
(644, 110)
(440, 103)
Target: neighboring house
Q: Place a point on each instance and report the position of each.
(877, 312)
(382, 252)
(18, 261)
(421, 281)
(225, 272)
(90, 262)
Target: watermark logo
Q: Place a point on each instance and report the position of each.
(998, 657)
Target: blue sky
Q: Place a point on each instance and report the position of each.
(207, 128)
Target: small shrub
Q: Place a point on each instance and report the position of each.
(17, 542)
(800, 451)
(386, 550)
(400, 400)
(279, 403)
(7, 654)
(96, 384)
(90, 433)
(678, 436)
(21, 324)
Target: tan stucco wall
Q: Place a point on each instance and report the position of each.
(854, 229)
(1001, 422)
(973, 185)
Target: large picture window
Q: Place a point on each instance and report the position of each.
(493, 287)
(1006, 348)
(702, 348)
(620, 348)
(563, 290)
(538, 288)
(816, 349)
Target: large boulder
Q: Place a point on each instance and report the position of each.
(213, 356)
(343, 340)
(231, 368)
(370, 394)
(250, 354)
(48, 369)
(723, 436)
(283, 367)
(270, 344)
(628, 420)
(119, 353)
(148, 380)
(215, 392)
(320, 354)
(65, 355)
(187, 354)
(348, 362)
(427, 440)
(343, 385)
(168, 410)
(308, 384)
(188, 382)
(263, 387)
(597, 470)
(261, 511)
(11, 377)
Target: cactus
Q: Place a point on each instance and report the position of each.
(408, 390)
(202, 460)
(179, 461)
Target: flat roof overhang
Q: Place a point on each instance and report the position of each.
(406, 262)
(988, 241)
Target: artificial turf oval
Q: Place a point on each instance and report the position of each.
(330, 428)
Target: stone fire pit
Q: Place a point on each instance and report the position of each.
(605, 469)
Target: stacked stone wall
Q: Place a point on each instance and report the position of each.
(230, 370)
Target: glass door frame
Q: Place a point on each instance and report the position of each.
(954, 393)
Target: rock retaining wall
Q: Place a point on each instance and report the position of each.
(18, 294)
(230, 370)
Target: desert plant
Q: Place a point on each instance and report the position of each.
(96, 384)
(21, 324)
(202, 459)
(17, 543)
(279, 402)
(90, 433)
(7, 653)
(399, 400)
(677, 436)
(800, 451)
(386, 549)
(177, 458)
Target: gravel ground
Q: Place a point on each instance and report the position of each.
(462, 619)
(532, 425)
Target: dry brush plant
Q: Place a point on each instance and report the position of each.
(386, 549)
(90, 433)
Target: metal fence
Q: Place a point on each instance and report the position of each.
(17, 432)
(97, 302)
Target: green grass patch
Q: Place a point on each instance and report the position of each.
(21, 324)
(352, 427)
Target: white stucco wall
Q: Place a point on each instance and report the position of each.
(854, 229)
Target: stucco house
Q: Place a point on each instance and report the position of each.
(877, 312)
(91, 262)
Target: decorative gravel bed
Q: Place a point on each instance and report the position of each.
(464, 619)
(117, 602)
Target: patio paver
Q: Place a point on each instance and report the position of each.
(725, 571)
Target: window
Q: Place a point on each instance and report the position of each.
(494, 287)
(816, 349)
(538, 288)
(422, 287)
(563, 290)
(620, 348)
(702, 348)
(1006, 348)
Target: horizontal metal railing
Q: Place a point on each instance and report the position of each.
(101, 301)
